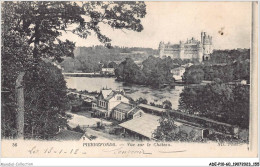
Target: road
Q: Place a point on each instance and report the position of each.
(84, 121)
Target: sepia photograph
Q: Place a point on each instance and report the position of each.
(129, 79)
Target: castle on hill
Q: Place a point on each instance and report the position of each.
(191, 49)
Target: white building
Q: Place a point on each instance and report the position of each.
(178, 72)
(107, 100)
(108, 71)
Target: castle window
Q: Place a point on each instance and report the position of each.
(118, 97)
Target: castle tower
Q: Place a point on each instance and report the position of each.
(161, 49)
(202, 37)
(207, 48)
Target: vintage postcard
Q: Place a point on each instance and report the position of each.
(129, 79)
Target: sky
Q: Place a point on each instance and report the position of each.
(175, 21)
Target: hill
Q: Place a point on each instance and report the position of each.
(88, 59)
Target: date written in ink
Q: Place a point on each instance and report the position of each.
(53, 150)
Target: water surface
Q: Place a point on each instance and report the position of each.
(152, 95)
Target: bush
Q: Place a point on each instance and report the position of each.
(75, 109)
(78, 129)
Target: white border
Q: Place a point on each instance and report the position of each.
(130, 161)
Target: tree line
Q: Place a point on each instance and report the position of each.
(154, 72)
(88, 59)
(238, 70)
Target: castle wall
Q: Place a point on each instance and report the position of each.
(192, 49)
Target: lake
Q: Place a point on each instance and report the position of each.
(152, 95)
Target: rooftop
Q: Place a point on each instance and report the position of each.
(152, 107)
(109, 93)
(145, 125)
(106, 92)
(124, 107)
(134, 110)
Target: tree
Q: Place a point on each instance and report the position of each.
(129, 72)
(141, 101)
(193, 75)
(112, 65)
(30, 34)
(45, 102)
(158, 70)
(166, 131)
(167, 104)
(242, 70)
(224, 73)
(78, 129)
(43, 21)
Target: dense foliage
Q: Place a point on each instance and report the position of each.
(45, 102)
(89, 59)
(218, 101)
(229, 56)
(169, 131)
(155, 72)
(239, 70)
(193, 75)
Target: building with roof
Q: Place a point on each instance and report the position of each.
(114, 104)
(141, 127)
(125, 111)
(178, 72)
(107, 100)
(191, 49)
(108, 71)
(120, 111)
(135, 113)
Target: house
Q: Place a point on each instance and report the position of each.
(125, 111)
(107, 100)
(108, 71)
(178, 72)
(121, 110)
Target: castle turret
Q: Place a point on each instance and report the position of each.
(161, 49)
(206, 41)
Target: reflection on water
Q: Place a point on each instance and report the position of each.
(135, 91)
